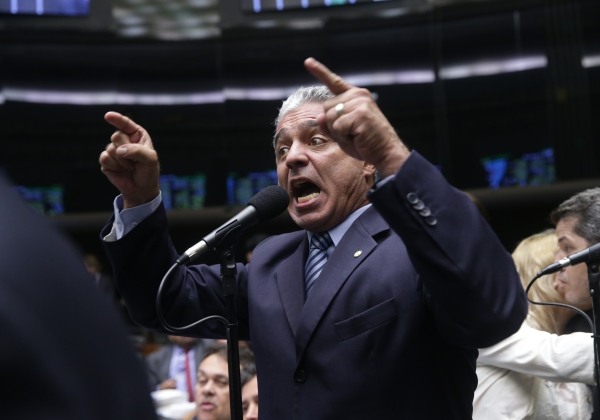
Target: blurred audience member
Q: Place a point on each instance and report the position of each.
(536, 373)
(174, 365)
(249, 391)
(212, 387)
(65, 354)
(101, 279)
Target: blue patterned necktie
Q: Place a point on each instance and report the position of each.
(317, 257)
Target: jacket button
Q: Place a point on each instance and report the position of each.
(300, 376)
(419, 205)
(425, 212)
(412, 197)
(431, 221)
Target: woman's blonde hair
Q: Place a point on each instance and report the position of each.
(531, 255)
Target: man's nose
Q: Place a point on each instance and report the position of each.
(252, 412)
(207, 388)
(296, 155)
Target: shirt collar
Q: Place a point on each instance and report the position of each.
(338, 231)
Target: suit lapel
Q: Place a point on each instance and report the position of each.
(290, 280)
(356, 244)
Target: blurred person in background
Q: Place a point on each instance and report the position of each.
(212, 387)
(249, 391)
(174, 364)
(65, 354)
(101, 279)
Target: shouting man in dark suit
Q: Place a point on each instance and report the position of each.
(414, 281)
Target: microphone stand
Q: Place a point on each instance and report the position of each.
(593, 269)
(228, 275)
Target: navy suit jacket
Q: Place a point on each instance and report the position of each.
(389, 331)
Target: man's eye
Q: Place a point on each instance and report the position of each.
(316, 141)
(282, 151)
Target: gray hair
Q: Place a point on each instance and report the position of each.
(584, 207)
(301, 96)
(307, 94)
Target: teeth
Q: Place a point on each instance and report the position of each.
(308, 197)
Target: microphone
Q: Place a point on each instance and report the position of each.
(576, 258)
(265, 205)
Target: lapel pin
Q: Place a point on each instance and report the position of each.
(357, 253)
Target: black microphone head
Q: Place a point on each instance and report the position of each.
(270, 202)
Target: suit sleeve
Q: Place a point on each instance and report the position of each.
(468, 277)
(141, 261)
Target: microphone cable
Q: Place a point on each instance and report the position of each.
(562, 305)
(163, 320)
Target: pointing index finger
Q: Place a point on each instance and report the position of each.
(121, 123)
(334, 82)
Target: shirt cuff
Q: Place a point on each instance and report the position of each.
(379, 184)
(127, 219)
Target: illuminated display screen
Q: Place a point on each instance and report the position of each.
(240, 189)
(536, 168)
(259, 6)
(45, 7)
(45, 199)
(183, 192)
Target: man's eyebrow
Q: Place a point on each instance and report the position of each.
(310, 123)
(219, 377)
(563, 239)
(305, 124)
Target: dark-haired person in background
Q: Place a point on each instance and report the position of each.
(65, 354)
(212, 386)
(415, 280)
(249, 381)
(577, 221)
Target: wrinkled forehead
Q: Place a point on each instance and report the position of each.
(300, 119)
(214, 365)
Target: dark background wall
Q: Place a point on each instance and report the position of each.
(497, 109)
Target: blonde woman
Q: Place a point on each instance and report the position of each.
(537, 373)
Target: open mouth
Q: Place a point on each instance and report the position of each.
(305, 191)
